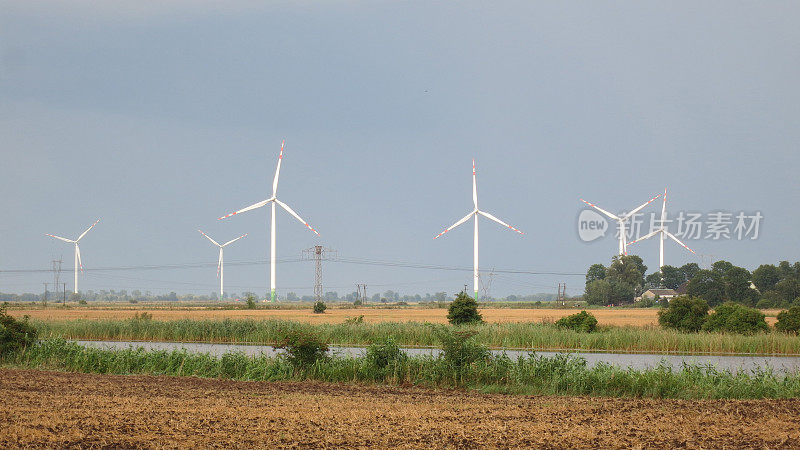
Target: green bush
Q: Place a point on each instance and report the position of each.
(251, 301)
(319, 307)
(684, 313)
(463, 310)
(15, 335)
(303, 349)
(459, 349)
(789, 320)
(735, 318)
(384, 354)
(582, 321)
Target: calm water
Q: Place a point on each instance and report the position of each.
(781, 364)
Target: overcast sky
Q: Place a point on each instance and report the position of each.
(159, 119)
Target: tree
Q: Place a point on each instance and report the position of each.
(463, 310)
(708, 285)
(735, 318)
(690, 270)
(595, 272)
(788, 288)
(319, 307)
(789, 320)
(765, 277)
(684, 313)
(672, 277)
(737, 286)
(621, 292)
(582, 321)
(627, 269)
(598, 292)
(653, 281)
(721, 267)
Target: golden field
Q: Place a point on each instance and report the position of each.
(605, 316)
(40, 409)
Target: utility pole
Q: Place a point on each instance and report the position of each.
(65, 293)
(45, 293)
(317, 253)
(361, 290)
(562, 293)
(56, 273)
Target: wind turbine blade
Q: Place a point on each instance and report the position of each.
(664, 210)
(296, 216)
(61, 238)
(234, 240)
(278, 171)
(209, 238)
(474, 186)
(648, 236)
(639, 208)
(491, 217)
(78, 251)
(254, 206)
(467, 217)
(87, 230)
(678, 241)
(600, 209)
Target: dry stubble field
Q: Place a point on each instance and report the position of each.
(607, 316)
(52, 409)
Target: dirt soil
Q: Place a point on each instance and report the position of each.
(56, 410)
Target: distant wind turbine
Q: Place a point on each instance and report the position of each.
(623, 248)
(475, 212)
(662, 230)
(78, 262)
(273, 200)
(220, 267)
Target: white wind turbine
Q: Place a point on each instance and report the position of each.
(662, 231)
(272, 201)
(78, 263)
(621, 219)
(220, 267)
(475, 213)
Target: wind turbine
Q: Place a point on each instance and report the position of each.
(272, 201)
(77, 251)
(623, 247)
(662, 230)
(220, 268)
(475, 212)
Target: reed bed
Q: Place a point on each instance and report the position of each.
(528, 336)
(558, 375)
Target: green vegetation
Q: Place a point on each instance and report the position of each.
(464, 310)
(582, 321)
(319, 307)
(734, 318)
(15, 335)
(687, 314)
(504, 335)
(558, 375)
(303, 348)
(789, 320)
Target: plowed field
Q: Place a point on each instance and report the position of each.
(49, 409)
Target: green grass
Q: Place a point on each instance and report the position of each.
(414, 334)
(557, 375)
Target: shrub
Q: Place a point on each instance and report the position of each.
(303, 349)
(789, 320)
(251, 301)
(582, 321)
(684, 313)
(735, 318)
(354, 320)
(319, 307)
(384, 353)
(459, 349)
(357, 302)
(464, 309)
(81, 302)
(15, 334)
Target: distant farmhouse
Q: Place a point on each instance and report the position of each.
(660, 293)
